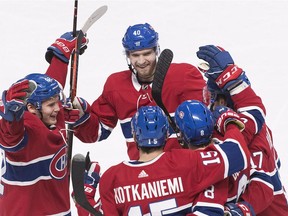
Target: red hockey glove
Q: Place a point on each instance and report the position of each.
(14, 99)
(239, 209)
(224, 116)
(63, 47)
(76, 113)
(71, 115)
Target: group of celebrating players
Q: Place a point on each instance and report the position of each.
(229, 165)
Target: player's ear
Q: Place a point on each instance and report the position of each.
(32, 109)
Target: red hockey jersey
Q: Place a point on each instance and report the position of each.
(34, 174)
(252, 112)
(123, 95)
(34, 171)
(168, 184)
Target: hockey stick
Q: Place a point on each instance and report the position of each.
(70, 128)
(74, 67)
(161, 70)
(79, 163)
(75, 17)
(97, 14)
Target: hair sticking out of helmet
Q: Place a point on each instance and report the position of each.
(216, 93)
(140, 36)
(47, 87)
(195, 122)
(150, 127)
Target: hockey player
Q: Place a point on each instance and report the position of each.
(230, 86)
(126, 91)
(166, 183)
(34, 176)
(192, 120)
(34, 172)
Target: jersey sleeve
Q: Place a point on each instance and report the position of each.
(103, 118)
(12, 135)
(58, 71)
(235, 147)
(217, 161)
(251, 109)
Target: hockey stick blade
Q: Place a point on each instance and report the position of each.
(161, 70)
(78, 170)
(97, 14)
(74, 69)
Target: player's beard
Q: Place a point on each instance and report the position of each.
(146, 74)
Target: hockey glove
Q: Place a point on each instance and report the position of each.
(64, 46)
(224, 116)
(239, 209)
(91, 179)
(15, 99)
(77, 112)
(222, 69)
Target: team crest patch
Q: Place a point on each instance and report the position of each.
(181, 114)
(58, 164)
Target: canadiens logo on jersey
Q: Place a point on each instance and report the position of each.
(58, 164)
